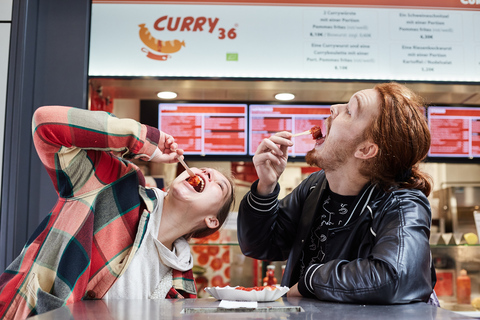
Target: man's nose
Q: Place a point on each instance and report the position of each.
(333, 111)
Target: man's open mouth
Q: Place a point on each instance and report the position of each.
(196, 182)
(319, 141)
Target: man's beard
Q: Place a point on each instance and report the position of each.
(310, 158)
(332, 156)
(328, 159)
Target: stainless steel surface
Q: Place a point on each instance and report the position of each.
(313, 309)
(247, 91)
(456, 206)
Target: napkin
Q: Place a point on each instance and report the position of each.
(229, 304)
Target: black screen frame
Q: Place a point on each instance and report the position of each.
(149, 116)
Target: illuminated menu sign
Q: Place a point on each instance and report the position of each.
(266, 120)
(411, 40)
(206, 129)
(455, 132)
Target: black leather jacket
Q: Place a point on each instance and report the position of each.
(382, 257)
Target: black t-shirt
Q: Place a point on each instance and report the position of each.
(334, 211)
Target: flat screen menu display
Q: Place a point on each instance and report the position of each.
(265, 120)
(206, 129)
(455, 132)
(408, 40)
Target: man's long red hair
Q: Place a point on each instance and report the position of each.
(402, 135)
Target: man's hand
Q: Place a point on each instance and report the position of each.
(293, 292)
(270, 160)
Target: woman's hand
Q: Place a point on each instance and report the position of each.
(167, 150)
(270, 160)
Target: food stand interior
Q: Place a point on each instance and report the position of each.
(53, 68)
(456, 181)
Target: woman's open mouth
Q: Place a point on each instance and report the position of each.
(196, 182)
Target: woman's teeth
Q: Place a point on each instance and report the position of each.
(197, 183)
(200, 186)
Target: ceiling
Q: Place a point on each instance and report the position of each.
(245, 91)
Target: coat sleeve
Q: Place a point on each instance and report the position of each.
(398, 268)
(65, 137)
(266, 226)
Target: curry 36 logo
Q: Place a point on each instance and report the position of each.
(161, 49)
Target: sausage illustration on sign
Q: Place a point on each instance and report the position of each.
(169, 46)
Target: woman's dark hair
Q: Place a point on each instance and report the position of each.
(403, 138)
(222, 214)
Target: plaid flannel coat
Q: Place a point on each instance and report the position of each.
(98, 223)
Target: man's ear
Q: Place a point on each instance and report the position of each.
(212, 222)
(366, 150)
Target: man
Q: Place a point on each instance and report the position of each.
(358, 230)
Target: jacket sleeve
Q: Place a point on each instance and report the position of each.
(266, 227)
(64, 137)
(397, 270)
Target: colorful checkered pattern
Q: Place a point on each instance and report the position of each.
(100, 219)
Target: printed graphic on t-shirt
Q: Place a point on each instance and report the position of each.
(333, 214)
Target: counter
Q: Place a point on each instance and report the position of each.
(207, 308)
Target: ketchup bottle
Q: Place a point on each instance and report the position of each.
(464, 288)
(270, 279)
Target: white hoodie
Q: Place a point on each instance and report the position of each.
(149, 275)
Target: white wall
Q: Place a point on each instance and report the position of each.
(448, 174)
(5, 26)
(6, 10)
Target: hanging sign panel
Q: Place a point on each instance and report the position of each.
(455, 132)
(296, 41)
(265, 120)
(206, 129)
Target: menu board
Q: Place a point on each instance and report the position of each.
(206, 129)
(420, 40)
(265, 120)
(455, 132)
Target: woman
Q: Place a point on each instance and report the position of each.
(186, 213)
(106, 223)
